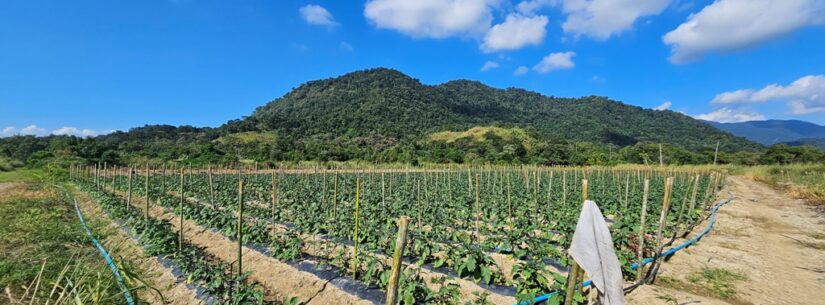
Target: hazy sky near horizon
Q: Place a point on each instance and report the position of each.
(88, 67)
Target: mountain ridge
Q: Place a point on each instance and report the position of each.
(770, 132)
(387, 102)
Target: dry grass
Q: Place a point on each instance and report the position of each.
(712, 282)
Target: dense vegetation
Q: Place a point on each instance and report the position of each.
(382, 115)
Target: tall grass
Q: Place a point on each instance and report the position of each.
(805, 181)
(46, 256)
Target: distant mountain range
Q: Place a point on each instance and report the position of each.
(770, 132)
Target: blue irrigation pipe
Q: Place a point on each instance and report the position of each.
(109, 261)
(671, 251)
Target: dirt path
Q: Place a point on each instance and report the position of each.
(776, 243)
(119, 244)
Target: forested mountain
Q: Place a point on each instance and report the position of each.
(771, 132)
(382, 115)
(386, 103)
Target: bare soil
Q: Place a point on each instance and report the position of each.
(777, 243)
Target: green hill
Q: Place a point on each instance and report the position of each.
(388, 104)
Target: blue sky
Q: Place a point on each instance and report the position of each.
(87, 67)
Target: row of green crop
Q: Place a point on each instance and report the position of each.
(515, 205)
(158, 238)
(286, 245)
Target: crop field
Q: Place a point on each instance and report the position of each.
(485, 235)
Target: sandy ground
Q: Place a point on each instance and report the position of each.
(173, 290)
(776, 242)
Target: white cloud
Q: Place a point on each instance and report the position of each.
(531, 6)
(733, 97)
(489, 65)
(729, 25)
(32, 130)
(432, 18)
(805, 95)
(318, 15)
(514, 33)
(521, 70)
(664, 106)
(73, 131)
(8, 132)
(346, 46)
(600, 19)
(555, 61)
(728, 115)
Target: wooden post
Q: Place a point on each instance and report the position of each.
(564, 188)
(575, 270)
(146, 188)
(400, 243)
(383, 198)
(661, 160)
(478, 213)
(626, 193)
(180, 207)
(335, 197)
(716, 153)
(509, 203)
(240, 226)
(571, 282)
(211, 187)
(662, 222)
(275, 197)
(693, 194)
(129, 196)
(418, 202)
(640, 252)
(355, 235)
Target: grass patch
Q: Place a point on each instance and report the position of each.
(22, 175)
(719, 281)
(711, 282)
(40, 230)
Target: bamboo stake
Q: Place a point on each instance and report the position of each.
(640, 252)
(211, 186)
(147, 190)
(478, 212)
(129, 195)
(240, 226)
(180, 207)
(275, 196)
(662, 222)
(400, 242)
(355, 235)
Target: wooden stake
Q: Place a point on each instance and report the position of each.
(211, 186)
(662, 221)
(400, 243)
(240, 226)
(180, 207)
(478, 212)
(355, 234)
(129, 196)
(640, 252)
(147, 190)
